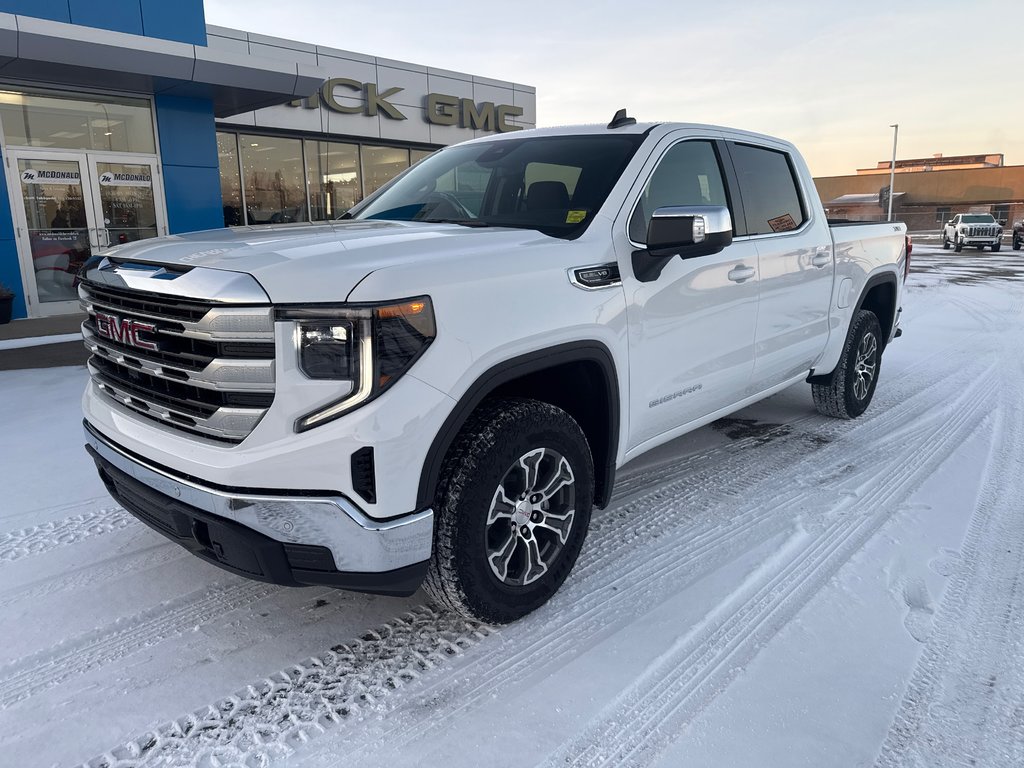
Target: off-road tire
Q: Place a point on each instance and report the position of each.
(497, 434)
(837, 396)
(958, 245)
(996, 247)
(945, 243)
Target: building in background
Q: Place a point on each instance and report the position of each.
(936, 163)
(928, 191)
(128, 119)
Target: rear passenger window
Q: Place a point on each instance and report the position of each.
(688, 174)
(768, 187)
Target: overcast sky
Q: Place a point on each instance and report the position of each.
(830, 77)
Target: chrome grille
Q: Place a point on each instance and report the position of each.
(198, 366)
(982, 231)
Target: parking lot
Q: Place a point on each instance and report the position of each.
(777, 588)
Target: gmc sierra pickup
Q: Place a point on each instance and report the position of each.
(977, 229)
(438, 388)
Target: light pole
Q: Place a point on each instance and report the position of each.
(892, 166)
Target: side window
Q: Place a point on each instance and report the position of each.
(688, 174)
(771, 200)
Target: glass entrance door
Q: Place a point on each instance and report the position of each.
(58, 235)
(126, 200)
(75, 206)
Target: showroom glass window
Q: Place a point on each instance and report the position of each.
(415, 155)
(381, 165)
(768, 187)
(230, 181)
(57, 122)
(274, 179)
(332, 171)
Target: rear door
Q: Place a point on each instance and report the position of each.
(691, 330)
(785, 222)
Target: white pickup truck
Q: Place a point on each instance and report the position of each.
(439, 388)
(977, 229)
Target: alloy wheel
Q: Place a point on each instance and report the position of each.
(530, 517)
(866, 365)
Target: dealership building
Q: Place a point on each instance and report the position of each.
(128, 119)
(928, 191)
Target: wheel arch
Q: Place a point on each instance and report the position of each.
(879, 296)
(578, 377)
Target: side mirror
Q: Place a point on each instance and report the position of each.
(685, 231)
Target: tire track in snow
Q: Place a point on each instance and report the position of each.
(35, 673)
(583, 617)
(93, 575)
(656, 707)
(230, 736)
(341, 681)
(964, 703)
(42, 538)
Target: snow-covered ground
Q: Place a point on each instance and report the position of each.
(777, 589)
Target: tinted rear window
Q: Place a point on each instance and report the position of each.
(771, 201)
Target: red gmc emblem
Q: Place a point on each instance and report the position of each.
(125, 330)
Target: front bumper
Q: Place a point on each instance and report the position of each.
(292, 539)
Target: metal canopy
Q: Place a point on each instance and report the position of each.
(55, 53)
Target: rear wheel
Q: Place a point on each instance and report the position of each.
(512, 510)
(848, 392)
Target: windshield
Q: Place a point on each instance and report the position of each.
(554, 184)
(978, 218)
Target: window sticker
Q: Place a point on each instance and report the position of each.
(783, 223)
(575, 217)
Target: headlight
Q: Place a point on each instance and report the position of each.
(369, 346)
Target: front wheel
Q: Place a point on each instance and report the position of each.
(945, 243)
(848, 391)
(959, 246)
(996, 247)
(1016, 243)
(511, 511)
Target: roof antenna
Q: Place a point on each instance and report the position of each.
(621, 120)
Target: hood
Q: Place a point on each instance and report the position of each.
(321, 262)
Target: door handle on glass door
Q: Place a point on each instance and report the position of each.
(741, 272)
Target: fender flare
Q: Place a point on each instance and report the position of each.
(879, 279)
(875, 280)
(509, 370)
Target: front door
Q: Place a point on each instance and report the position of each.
(691, 331)
(70, 206)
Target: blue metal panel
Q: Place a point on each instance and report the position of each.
(181, 20)
(188, 134)
(188, 155)
(54, 10)
(193, 198)
(116, 15)
(10, 270)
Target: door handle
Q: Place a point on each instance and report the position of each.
(741, 272)
(822, 259)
